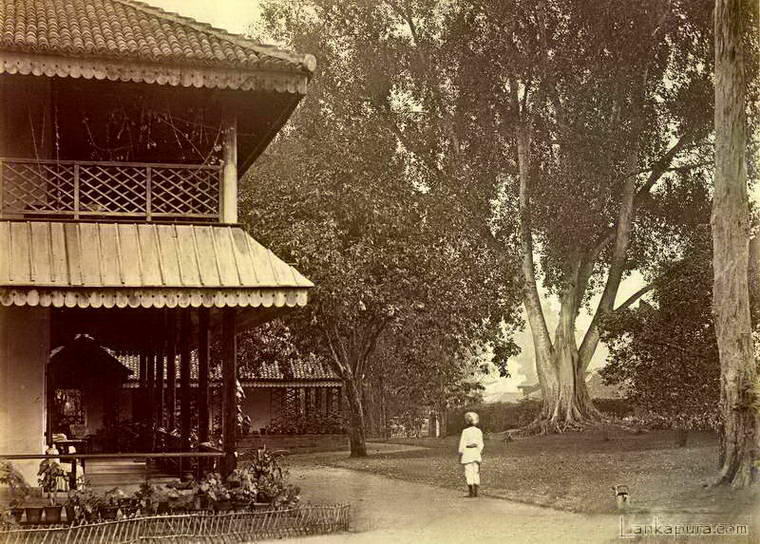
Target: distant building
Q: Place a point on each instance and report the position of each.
(294, 397)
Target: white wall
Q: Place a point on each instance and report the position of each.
(24, 351)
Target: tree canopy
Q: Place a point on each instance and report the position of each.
(335, 196)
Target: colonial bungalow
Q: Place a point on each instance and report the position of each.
(279, 397)
(123, 132)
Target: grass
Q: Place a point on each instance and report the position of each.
(573, 471)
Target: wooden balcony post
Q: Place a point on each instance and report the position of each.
(171, 369)
(148, 193)
(76, 191)
(203, 360)
(229, 376)
(229, 171)
(151, 392)
(138, 408)
(184, 378)
(160, 394)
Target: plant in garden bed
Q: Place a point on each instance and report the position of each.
(8, 520)
(112, 498)
(181, 495)
(153, 499)
(83, 504)
(19, 488)
(269, 479)
(243, 487)
(49, 475)
(212, 486)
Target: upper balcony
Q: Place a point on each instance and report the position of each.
(113, 191)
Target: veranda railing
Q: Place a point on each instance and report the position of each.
(196, 528)
(117, 190)
(204, 459)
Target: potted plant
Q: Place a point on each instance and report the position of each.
(83, 504)
(148, 497)
(33, 514)
(216, 491)
(181, 495)
(19, 488)
(48, 476)
(109, 508)
(243, 487)
(200, 494)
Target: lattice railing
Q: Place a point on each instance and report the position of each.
(231, 528)
(76, 189)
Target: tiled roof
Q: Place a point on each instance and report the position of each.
(298, 370)
(123, 264)
(127, 29)
(127, 40)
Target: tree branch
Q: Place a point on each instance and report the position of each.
(663, 164)
(635, 296)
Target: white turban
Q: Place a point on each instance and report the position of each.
(471, 418)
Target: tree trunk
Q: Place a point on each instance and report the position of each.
(383, 410)
(566, 404)
(730, 227)
(356, 432)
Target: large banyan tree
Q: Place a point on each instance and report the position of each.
(570, 135)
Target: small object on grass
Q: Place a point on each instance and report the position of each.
(621, 496)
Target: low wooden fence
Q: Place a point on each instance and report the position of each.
(224, 528)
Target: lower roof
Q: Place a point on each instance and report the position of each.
(98, 264)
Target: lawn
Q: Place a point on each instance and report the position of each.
(572, 471)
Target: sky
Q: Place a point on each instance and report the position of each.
(236, 16)
(231, 15)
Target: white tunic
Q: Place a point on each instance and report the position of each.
(471, 445)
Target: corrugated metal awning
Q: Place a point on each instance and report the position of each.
(61, 264)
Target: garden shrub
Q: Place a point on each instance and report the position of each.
(496, 417)
(502, 416)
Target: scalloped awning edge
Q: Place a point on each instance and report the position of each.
(154, 298)
(184, 76)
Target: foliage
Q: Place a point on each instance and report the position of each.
(113, 496)
(84, 502)
(308, 424)
(615, 408)
(212, 485)
(19, 488)
(150, 496)
(496, 417)
(438, 96)
(259, 478)
(664, 353)
(502, 416)
(268, 479)
(48, 476)
(336, 196)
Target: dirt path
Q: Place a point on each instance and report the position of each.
(386, 510)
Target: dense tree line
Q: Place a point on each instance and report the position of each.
(455, 159)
